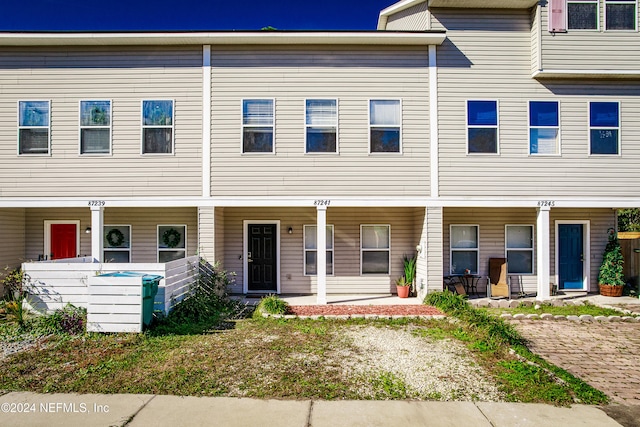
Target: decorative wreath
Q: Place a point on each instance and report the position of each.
(115, 237)
(171, 237)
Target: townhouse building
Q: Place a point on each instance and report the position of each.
(458, 131)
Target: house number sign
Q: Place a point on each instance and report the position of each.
(97, 203)
(550, 203)
(321, 202)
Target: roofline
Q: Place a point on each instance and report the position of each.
(390, 38)
(395, 8)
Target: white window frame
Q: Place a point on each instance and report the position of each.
(635, 14)
(388, 250)
(597, 3)
(558, 141)
(172, 126)
(333, 126)
(507, 249)
(108, 127)
(496, 126)
(158, 237)
(618, 128)
(399, 126)
(114, 249)
(272, 126)
(47, 127)
(452, 249)
(305, 250)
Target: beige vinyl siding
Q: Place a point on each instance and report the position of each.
(219, 242)
(12, 250)
(492, 236)
(206, 237)
(353, 77)
(405, 233)
(535, 39)
(491, 60)
(414, 18)
(124, 75)
(589, 49)
(434, 249)
(143, 222)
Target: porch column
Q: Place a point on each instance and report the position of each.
(321, 239)
(543, 253)
(97, 232)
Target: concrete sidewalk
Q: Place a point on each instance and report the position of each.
(31, 409)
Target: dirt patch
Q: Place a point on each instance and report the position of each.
(380, 310)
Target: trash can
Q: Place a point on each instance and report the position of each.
(150, 284)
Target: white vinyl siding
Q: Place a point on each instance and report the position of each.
(311, 250)
(34, 123)
(519, 249)
(544, 127)
(117, 243)
(353, 76)
(124, 74)
(95, 127)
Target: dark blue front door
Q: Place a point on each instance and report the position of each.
(571, 256)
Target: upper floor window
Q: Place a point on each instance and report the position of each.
(384, 126)
(482, 127)
(519, 249)
(582, 14)
(620, 14)
(34, 122)
(604, 127)
(95, 127)
(465, 249)
(311, 250)
(257, 125)
(321, 119)
(544, 127)
(157, 127)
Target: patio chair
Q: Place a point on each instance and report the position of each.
(498, 280)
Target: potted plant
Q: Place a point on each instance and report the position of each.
(402, 287)
(611, 277)
(410, 272)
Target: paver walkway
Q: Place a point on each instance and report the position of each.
(605, 355)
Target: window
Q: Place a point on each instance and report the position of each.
(117, 243)
(604, 127)
(544, 127)
(375, 248)
(34, 121)
(311, 250)
(519, 249)
(482, 127)
(172, 242)
(321, 121)
(464, 249)
(95, 127)
(582, 14)
(257, 126)
(384, 126)
(620, 14)
(157, 127)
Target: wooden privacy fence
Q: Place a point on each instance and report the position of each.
(628, 242)
(52, 285)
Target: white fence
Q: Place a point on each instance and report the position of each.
(54, 284)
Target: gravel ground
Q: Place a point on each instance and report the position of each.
(16, 344)
(430, 369)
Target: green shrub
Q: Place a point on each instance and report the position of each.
(68, 320)
(271, 304)
(446, 301)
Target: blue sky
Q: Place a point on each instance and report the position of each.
(99, 15)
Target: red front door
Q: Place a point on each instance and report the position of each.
(63, 241)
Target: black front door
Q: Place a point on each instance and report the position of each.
(262, 259)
